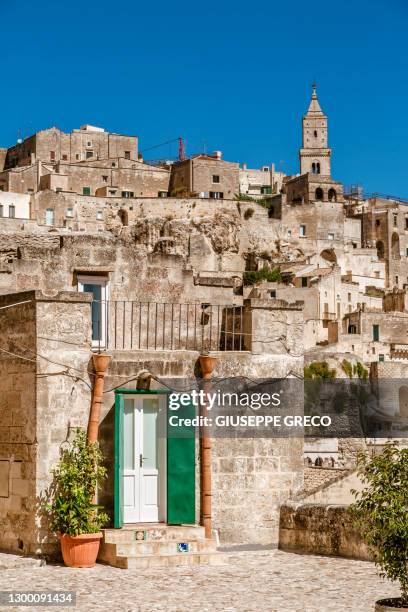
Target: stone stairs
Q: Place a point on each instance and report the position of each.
(147, 545)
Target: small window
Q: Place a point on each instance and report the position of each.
(377, 272)
(216, 195)
(315, 133)
(273, 293)
(396, 280)
(354, 245)
(378, 222)
(406, 251)
(127, 194)
(216, 178)
(99, 215)
(105, 178)
(98, 286)
(65, 157)
(49, 216)
(112, 192)
(86, 190)
(406, 223)
(89, 154)
(70, 212)
(304, 281)
(162, 194)
(113, 164)
(52, 155)
(89, 143)
(395, 220)
(127, 154)
(349, 297)
(1, 210)
(376, 333)
(289, 233)
(58, 189)
(330, 236)
(381, 357)
(77, 156)
(266, 189)
(12, 211)
(302, 230)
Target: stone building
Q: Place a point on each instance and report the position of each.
(157, 264)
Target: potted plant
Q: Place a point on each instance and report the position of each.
(381, 514)
(70, 505)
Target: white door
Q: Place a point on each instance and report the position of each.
(144, 458)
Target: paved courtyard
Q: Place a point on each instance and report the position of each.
(263, 581)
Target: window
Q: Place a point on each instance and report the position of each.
(89, 154)
(304, 281)
(113, 164)
(376, 333)
(273, 293)
(89, 143)
(406, 223)
(162, 194)
(99, 215)
(378, 222)
(112, 192)
(58, 189)
(12, 211)
(266, 189)
(65, 157)
(127, 154)
(216, 178)
(395, 220)
(265, 168)
(315, 133)
(86, 190)
(354, 245)
(52, 155)
(289, 233)
(49, 216)
(330, 236)
(70, 212)
(98, 286)
(381, 357)
(1, 210)
(77, 156)
(319, 194)
(105, 178)
(302, 230)
(216, 195)
(349, 297)
(396, 280)
(127, 194)
(377, 273)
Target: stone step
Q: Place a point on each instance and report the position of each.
(180, 559)
(157, 548)
(153, 532)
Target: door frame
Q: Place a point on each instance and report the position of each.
(118, 446)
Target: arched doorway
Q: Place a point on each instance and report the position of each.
(395, 247)
(319, 194)
(380, 249)
(332, 195)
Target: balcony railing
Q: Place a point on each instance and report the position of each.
(158, 326)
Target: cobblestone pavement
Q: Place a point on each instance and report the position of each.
(265, 581)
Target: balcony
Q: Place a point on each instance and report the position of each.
(159, 326)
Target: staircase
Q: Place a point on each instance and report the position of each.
(147, 545)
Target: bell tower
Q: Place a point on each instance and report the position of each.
(314, 155)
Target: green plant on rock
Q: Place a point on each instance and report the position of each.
(248, 213)
(69, 505)
(265, 274)
(381, 511)
(354, 370)
(347, 368)
(319, 369)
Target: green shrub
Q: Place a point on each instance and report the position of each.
(319, 369)
(381, 511)
(347, 368)
(265, 274)
(69, 505)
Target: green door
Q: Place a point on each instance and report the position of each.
(180, 465)
(181, 469)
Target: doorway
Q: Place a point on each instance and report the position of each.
(144, 459)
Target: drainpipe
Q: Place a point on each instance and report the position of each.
(100, 363)
(207, 364)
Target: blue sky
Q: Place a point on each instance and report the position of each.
(225, 75)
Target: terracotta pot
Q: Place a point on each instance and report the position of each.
(80, 550)
(207, 364)
(101, 361)
(385, 605)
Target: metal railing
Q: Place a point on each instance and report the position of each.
(159, 326)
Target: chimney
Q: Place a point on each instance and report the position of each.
(217, 154)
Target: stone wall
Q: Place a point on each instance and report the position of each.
(320, 530)
(45, 394)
